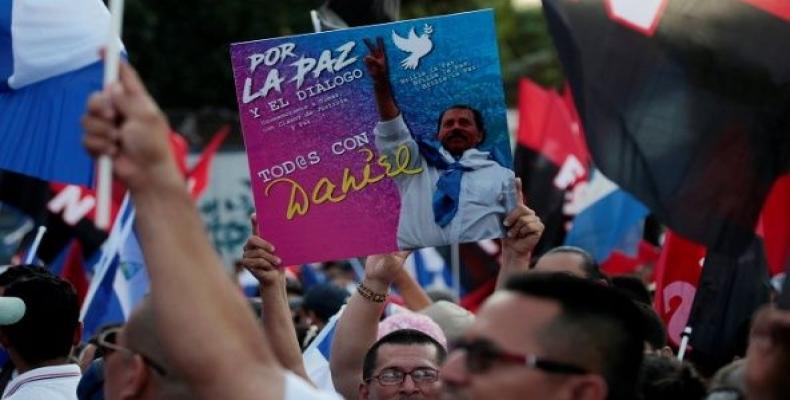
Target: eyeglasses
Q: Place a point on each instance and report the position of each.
(395, 376)
(482, 354)
(107, 341)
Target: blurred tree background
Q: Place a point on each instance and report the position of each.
(182, 49)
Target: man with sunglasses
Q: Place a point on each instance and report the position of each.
(548, 336)
(134, 364)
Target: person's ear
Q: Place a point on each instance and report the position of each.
(136, 378)
(313, 317)
(364, 391)
(589, 387)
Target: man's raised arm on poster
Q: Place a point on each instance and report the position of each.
(376, 63)
(459, 186)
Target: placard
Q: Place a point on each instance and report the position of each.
(330, 180)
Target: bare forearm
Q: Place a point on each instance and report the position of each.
(279, 327)
(512, 264)
(187, 279)
(415, 297)
(385, 102)
(356, 331)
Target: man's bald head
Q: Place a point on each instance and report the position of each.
(570, 260)
(140, 336)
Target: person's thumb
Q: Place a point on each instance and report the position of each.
(129, 94)
(254, 223)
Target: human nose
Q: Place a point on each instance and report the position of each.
(408, 385)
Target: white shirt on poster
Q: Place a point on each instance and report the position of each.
(487, 193)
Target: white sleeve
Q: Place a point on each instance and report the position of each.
(392, 134)
(297, 389)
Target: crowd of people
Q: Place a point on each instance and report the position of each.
(555, 327)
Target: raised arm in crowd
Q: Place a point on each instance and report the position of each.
(207, 335)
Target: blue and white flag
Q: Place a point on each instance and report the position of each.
(49, 65)
(430, 269)
(120, 280)
(608, 218)
(316, 355)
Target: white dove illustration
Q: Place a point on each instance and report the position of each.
(418, 46)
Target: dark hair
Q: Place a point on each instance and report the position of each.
(589, 265)
(633, 287)
(597, 325)
(51, 317)
(477, 115)
(666, 378)
(403, 337)
(655, 332)
(15, 272)
(325, 300)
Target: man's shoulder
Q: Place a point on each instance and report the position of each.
(56, 383)
(391, 127)
(64, 388)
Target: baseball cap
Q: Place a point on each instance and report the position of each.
(12, 309)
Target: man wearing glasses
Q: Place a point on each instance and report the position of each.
(542, 337)
(134, 364)
(402, 364)
(548, 336)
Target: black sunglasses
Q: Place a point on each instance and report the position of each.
(107, 341)
(482, 354)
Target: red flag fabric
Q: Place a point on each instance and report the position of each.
(547, 124)
(198, 177)
(180, 150)
(775, 226)
(73, 269)
(551, 157)
(620, 263)
(677, 276)
(699, 142)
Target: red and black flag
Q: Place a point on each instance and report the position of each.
(730, 290)
(685, 104)
(551, 157)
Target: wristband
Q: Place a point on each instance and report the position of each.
(370, 295)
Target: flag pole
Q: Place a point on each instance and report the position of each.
(31, 253)
(316, 21)
(455, 264)
(111, 59)
(684, 342)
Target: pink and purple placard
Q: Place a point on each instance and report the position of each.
(308, 114)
